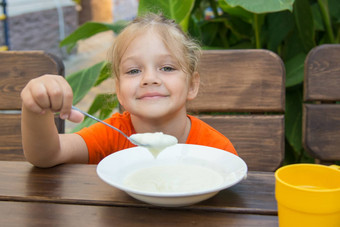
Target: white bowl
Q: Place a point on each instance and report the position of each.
(116, 167)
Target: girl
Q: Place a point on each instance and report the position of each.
(155, 67)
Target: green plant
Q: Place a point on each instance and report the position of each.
(290, 28)
(82, 81)
(77, 1)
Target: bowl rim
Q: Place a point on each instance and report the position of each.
(243, 174)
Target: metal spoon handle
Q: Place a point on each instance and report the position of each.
(103, 122)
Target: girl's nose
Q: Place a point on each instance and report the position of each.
(150, 77)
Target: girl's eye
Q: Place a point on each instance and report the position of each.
(167, 69)
(133, 71)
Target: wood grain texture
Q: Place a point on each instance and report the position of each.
(321, 113)
(50, 214)
(19, 67)
(321, 136)
(248, 84)
(79, 184)
(322, 74)
(258, 139)
(16, 69)
(240, 80)
(10, 136)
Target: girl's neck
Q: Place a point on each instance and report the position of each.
(178, 126)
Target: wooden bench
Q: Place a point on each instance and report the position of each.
(321, 113)
(242, 95)
(16, 69)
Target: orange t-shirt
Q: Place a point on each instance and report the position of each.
(102, 141)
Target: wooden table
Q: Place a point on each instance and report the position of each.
(73, 195)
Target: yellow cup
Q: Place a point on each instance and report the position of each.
(308, 195)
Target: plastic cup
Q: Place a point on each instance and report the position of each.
(308, 195)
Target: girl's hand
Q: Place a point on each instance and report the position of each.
(50, 92)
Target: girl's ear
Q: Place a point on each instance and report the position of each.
(194, 85)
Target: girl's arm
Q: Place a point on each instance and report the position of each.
(42, 144)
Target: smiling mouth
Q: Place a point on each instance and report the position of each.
(152, 97)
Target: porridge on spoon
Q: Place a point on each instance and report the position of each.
(156, 142)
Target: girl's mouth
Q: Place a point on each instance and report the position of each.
(151, 96)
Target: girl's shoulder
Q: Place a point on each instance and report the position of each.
(199, 126)
(124, 117)
(202, 133)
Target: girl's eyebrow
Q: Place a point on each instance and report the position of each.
(128, 58)
(160, 56)
(167, 56)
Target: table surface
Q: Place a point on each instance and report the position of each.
(73, 194)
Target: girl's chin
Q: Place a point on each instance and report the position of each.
(156, 113)
(156, 110)
(153, 104)
(152, 114)
(153, 101)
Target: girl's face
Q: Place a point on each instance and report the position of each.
(152, 85)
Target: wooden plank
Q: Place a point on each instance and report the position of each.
(258, 139)
(322, 74)
(321, 136)
(258, 190)
(50, 214)
(17, 68)
(23, 182)
(240, 80)
(10, 136)
(245, 81)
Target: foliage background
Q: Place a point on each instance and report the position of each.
(290, 28)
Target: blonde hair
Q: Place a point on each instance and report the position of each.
(185, 50)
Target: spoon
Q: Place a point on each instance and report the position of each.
(103, 122)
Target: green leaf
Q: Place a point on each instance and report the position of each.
(236, 11)
(293, 117)
(334, 10)
(291, 156)
(295, 70)
(279, 26)
(305, 157)
(194, 29)
(263, 6)
(105, 73)
(257, 27)
(238, 27)
(242, 45)
(292, 45)
(82, 81)
(304, 23)
(104, 104)
(214, 32)
(318, 23)
(89, 29)
(174, 9)
(210, 29)
(325, 13)
(77, 1)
